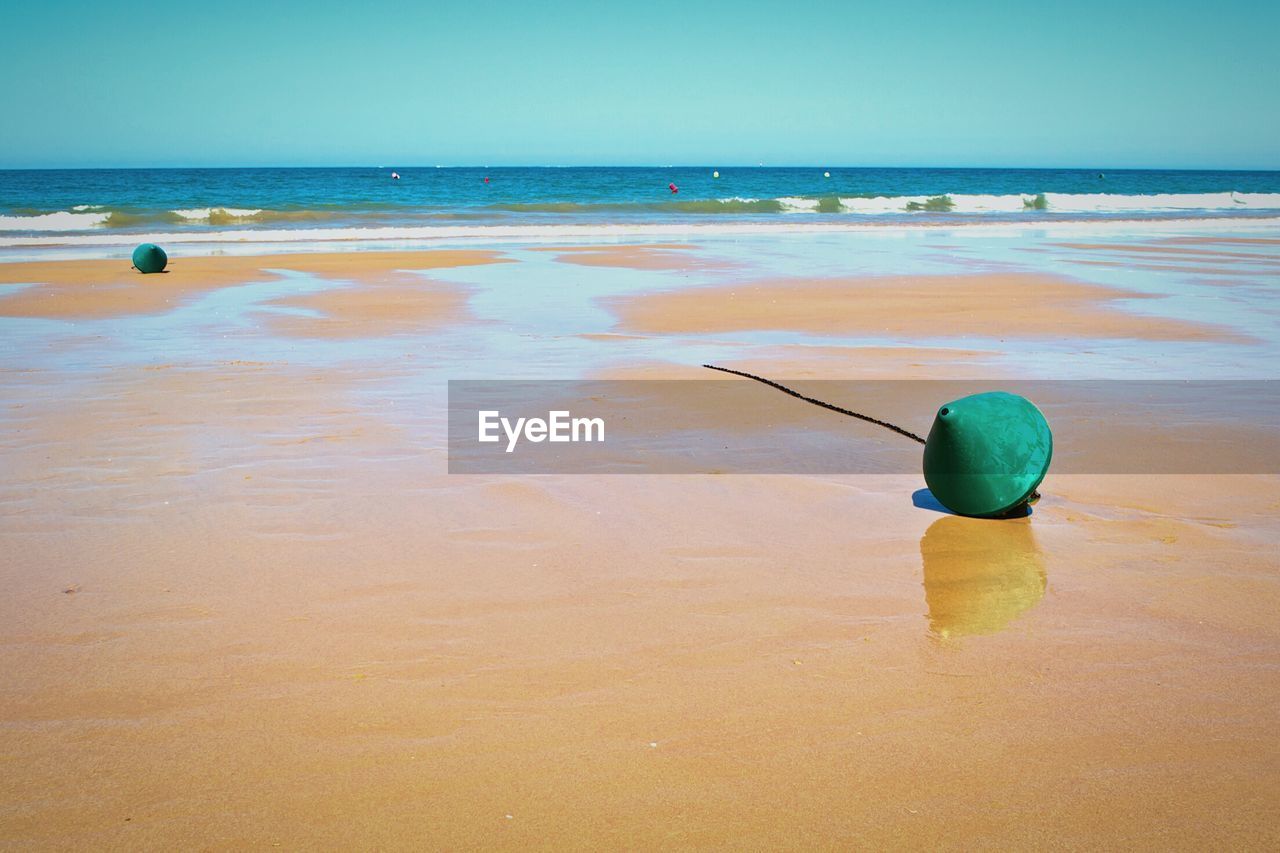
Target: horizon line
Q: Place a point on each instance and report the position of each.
(743, 166)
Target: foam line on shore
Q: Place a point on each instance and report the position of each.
(564, 231)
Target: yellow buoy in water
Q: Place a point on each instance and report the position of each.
(715, 174)
(826, 174)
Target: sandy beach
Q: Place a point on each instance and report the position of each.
(246, 604)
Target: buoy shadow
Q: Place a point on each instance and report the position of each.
(979, 574)
(924, 499)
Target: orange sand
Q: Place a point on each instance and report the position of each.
(797, 361)
(1001, 305)
(308, 639)
(107, 288)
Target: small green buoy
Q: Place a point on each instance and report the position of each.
(986, 454)
(149, 258)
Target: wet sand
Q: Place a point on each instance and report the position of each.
(245, 607)
(652, 256)
(815, 361)
(105, 288)
(1007, 305)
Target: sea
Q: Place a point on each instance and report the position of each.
(107, 207)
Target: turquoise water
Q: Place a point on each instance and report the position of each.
(365, 202)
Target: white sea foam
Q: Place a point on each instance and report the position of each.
(203, 213)
(1118, 203)
(551, 233)
(881, 204)
(60, 221)
(1100, 203)
(990, 203)
(795, 204)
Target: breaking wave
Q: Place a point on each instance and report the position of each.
(89, 218)
(217, 215)
(63, 220)
(1084, 203)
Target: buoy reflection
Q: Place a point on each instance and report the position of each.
(979, 574)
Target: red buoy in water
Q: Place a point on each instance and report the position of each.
(486, 179)
(673, 188)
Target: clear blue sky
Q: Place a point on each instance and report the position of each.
(1093, 84)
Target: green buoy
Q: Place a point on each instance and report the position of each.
(149, 258)
(986, 454)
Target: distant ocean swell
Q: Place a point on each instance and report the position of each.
(90, 218)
